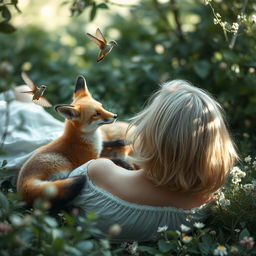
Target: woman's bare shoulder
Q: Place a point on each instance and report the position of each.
(103, 171)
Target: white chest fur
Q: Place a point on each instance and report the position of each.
(94, 139)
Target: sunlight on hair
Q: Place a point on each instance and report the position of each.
(184, 142)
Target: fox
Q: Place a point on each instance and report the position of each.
(117, 145)
(80, 142)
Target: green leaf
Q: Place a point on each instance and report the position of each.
(165, 245)
(4, 163)
(102, 6)
(4, 205)
(147, 249)
(93, 12)
(244, 233)
(106, 253)
(72, 251)
(91, 215)
(202, 68)
(57, 243)
(51, 222)
(193, 249)
(204, 248)
(6, 13)
(6, 28)
(85, 246)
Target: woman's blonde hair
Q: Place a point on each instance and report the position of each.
(181, 139)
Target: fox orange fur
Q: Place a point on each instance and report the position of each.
(116, 144)
(80, 142)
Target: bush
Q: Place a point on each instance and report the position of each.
(230, 228)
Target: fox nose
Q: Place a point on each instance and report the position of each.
(115, 116)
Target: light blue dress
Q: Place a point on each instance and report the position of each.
(138, 222)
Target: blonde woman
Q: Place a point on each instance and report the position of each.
(185, 153)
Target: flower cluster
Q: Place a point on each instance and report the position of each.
(221, 200)
(237, 174)
(248, 242)
(221, 250)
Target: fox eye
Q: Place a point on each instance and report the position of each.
(97, 114)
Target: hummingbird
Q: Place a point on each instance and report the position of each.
(104, 46)
(36, 91)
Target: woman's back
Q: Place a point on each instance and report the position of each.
(129, 200)
(135, 187)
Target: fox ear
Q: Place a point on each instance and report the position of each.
(81, 85)
(68, 112)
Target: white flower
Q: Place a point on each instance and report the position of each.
(216, 21)
(189, 218)
(236, 180)
(237, 174)
(253, 18)
(186, 239)
(162, 229)
(222, 201)
(233, 250)
(248, 159)
(178, 232)
(235, 27)
(248, 188)
(220, 250)
(206, 2)
(132, 248)
(199, 225)
(184, 228)
(248, 242)
(241, 17)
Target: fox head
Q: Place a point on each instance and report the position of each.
(85, 112)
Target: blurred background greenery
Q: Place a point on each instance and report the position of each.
(158, 40)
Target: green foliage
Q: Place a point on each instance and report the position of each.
(6, 15)
(236, 207)
(230, 228)
(158, 41)
(167, 41)
(35, 232)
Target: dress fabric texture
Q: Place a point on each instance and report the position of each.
(29, 127)
(138, 222)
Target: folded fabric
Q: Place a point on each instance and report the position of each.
(29, 127)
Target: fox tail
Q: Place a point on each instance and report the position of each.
(58, 192)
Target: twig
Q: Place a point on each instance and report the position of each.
(177, 19)
(7, 120)
(162, 14)
(15, 6)
(233, 40)
(121, 5)
(217, 18)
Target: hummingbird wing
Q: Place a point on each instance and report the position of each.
(30, 92)
(99, 42)
(28, 82)
(100, 57)
(42, 101)
(100, 36)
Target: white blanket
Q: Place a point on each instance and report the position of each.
(30, 127)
